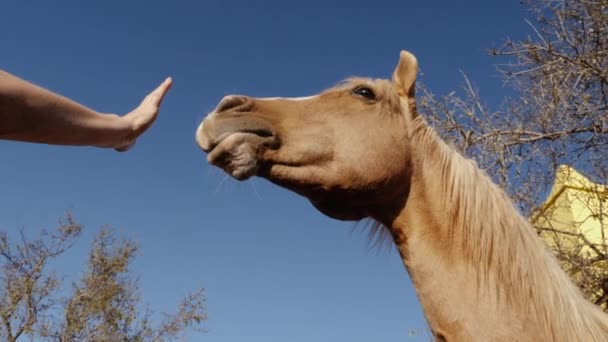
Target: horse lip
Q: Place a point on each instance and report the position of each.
(217, 127)
(260, 132)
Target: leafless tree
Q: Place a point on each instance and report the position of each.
(102, 305)
(557, 115)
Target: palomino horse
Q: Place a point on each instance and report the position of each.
(361, 150)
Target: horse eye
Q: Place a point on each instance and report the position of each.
(365, 93)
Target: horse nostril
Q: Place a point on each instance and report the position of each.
(235, 102)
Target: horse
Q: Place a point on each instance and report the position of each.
(361, 150)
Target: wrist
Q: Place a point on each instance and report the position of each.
(119, 131)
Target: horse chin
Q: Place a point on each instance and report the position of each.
(237, 154)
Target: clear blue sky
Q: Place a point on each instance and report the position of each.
(275, 269)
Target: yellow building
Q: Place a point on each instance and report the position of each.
(573, 221)
(575, 206)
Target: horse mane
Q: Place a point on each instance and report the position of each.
(499, 245)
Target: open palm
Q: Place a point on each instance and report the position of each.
(142, 117)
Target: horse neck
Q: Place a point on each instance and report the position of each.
(479, 269)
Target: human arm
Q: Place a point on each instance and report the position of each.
(33, 114)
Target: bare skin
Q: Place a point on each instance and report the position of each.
(31, 113)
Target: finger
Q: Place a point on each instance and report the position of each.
(157, 95)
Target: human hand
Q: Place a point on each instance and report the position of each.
(142, 117)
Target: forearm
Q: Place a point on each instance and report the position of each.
(31, 113)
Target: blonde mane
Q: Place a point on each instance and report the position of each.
(500, 246)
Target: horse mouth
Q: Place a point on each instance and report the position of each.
(208, 144)
(238, 153)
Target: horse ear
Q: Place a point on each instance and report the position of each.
(404, 80)
(404, 76)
